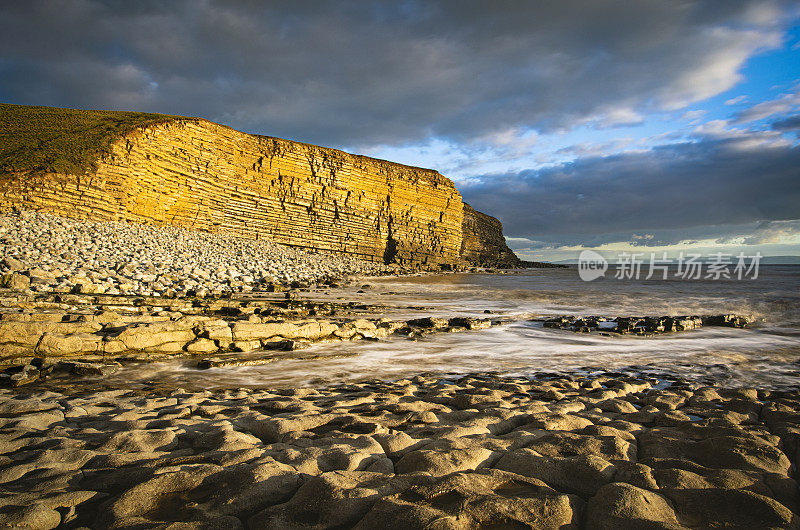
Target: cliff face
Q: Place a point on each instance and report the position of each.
(483, 243)
(201, 175)
(193, 173)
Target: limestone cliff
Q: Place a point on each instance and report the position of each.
(483, 243)
(197, 174)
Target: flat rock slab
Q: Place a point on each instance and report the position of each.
(103, 330)
(480, 451)
(643, 326)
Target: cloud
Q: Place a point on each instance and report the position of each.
(367, 73)
(616, 117)
(784, 104)
(736, 100)
(791, 123)
(738, 138)
(694, 115)
(587, 149)
(771, 232)
(707, 188)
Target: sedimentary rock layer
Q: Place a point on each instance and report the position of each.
(483, 242)
(34, 333)
(193, 173)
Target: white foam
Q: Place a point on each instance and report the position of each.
(766, 355)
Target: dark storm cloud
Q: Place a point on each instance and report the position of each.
(710, 188)
(360, 72)
(787, 124)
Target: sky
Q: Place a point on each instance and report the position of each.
(647, 126)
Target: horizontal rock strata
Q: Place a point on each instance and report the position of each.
(642, 326)
(196, 174)
(483, 244)
(475, 452)
(76, 332)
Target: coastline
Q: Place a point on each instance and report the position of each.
(46, 336)
(84, 444)
(273, 265)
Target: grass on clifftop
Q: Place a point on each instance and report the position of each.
(62, 140)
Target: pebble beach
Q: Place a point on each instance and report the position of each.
(49, 253)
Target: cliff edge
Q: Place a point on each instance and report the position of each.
(483, 243)
(190, 172)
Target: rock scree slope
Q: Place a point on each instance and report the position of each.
(190, 172)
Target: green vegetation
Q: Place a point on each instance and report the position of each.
(62, 140)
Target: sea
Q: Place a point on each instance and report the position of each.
(766, 354)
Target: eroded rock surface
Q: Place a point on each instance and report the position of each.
(478, 451)
(642, 326)
(89, 335)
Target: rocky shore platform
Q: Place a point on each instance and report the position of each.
(600, 449)
(45, 335)
(642, 326)
(479, 451)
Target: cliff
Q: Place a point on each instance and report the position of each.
(483, 243)
(157, 169)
